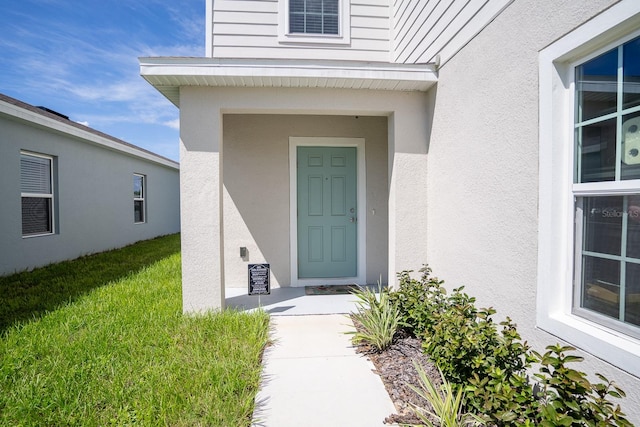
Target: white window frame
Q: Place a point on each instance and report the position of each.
(49, 196)
(556, 252)
(344, 27)
(618, 187)
(142, 199)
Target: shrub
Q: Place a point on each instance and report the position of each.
(465, 341)
(570, 399)
(489, 363)
(378, 318)
(502, 399)
(418, 299)
(471, 352)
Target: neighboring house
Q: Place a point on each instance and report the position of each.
(496, 140)
(68, 190)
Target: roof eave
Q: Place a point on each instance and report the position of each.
(167, 75)
(19, 111)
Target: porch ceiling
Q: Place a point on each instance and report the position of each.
(167, 74)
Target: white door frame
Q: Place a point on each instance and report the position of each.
(359, 143)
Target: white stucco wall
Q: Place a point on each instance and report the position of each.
(93, 198)
(483, 168)
(204, 227)
(257, 186)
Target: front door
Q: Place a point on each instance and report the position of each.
(327, 212)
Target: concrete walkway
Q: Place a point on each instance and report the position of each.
(312, 376)
(290, 302)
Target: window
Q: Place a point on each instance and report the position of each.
(607, 152)
(36, 186)
(314, 22)
(139, 213)
(589, 183)
(313, 16)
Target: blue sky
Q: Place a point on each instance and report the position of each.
(80, 58)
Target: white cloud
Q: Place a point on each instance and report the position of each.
(173, 124)
(90, 71)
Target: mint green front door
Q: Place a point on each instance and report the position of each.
(327, 212)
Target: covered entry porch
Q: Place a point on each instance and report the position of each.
(241, 184)
(301, 203)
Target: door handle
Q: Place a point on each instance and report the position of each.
(352, 219)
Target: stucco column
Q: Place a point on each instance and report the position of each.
(408, 143)
(201, 203)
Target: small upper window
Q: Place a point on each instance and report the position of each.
(313, 17)
(36, 187)
(308, 22)
(139, 213)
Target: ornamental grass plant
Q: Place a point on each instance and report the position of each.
(378, 316)
(446, 400)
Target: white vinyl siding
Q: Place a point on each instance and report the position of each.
(253, 29)
(36, 187)
(423, 29)
(403, 31)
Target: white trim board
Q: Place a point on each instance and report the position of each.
(73, 129)
(359, 143)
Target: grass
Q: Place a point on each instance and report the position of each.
(121, 353)
(30, 294)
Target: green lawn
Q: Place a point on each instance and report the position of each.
(111, 347)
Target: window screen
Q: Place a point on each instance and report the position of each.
(313, 16)
(36, 186)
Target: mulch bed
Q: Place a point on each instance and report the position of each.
(395, 367)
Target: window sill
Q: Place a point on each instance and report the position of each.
(318, 39)
(30, 236)
(616, 348)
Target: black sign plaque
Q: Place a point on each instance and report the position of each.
(259, 279)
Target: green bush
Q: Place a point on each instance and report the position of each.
(471, 352)
(490, 363)
(418, 299)
(570, 399)
(502, 399)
